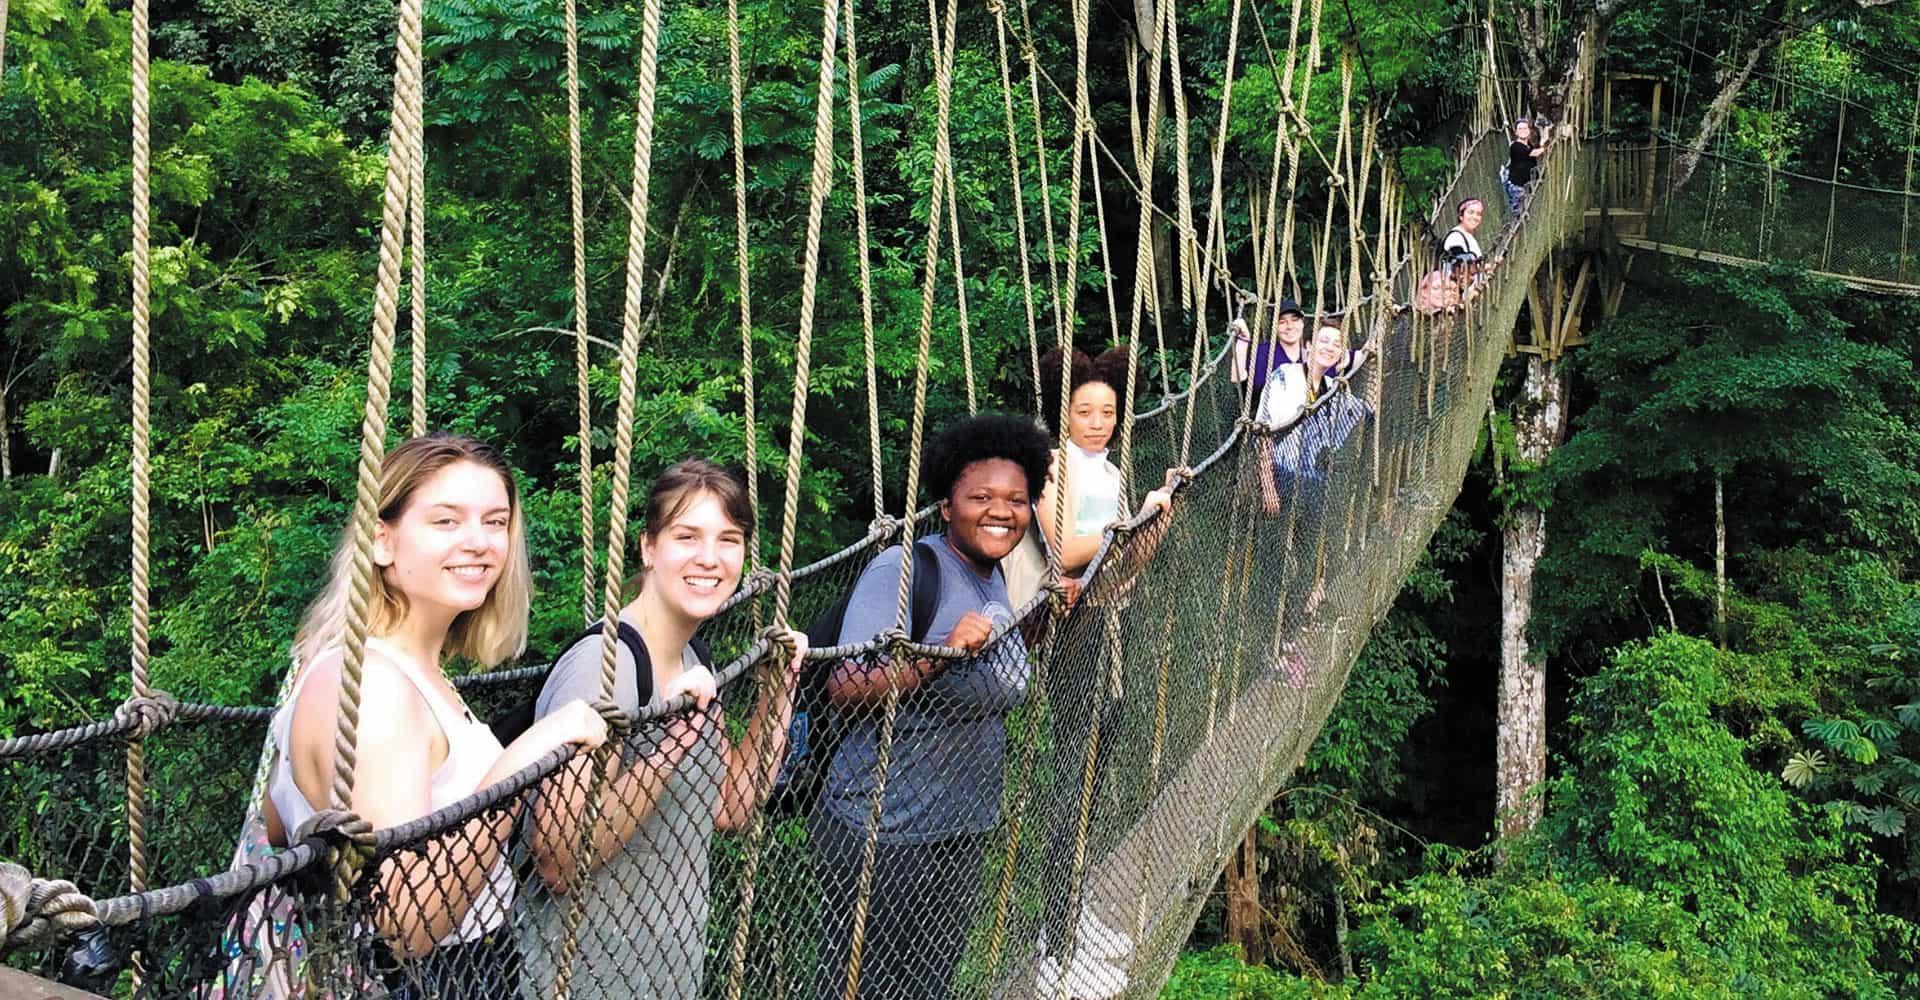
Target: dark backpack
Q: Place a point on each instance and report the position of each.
(510, 724)
(814, 735)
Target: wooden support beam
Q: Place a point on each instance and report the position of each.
(1878, 285)
(1576, 304)
(17, 985)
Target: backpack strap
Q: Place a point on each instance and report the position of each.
(636, 648)
(926, 590)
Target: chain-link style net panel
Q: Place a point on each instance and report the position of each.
(64, 797)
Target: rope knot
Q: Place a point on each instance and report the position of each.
(759, 580)
(616, 717)
(349, 842)
(148, 714)
(883, 527)
(336, 825)
(1056, 588)
(780, 644)
(34, 911)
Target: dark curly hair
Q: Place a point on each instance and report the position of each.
(1110, 367)
(979, 438)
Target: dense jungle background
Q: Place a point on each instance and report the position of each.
(1733, 783)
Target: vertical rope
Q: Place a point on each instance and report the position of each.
(1144, 272)
(403, 142)
(960, 289)
(639, 202)
(855, 126)
(819, 186)
(417, 230)
(1082, 138)
(942, 56)
(1040, 153)
(581, 364)
(820, 183)
(743, 269)
(141, 687)
(998, 8)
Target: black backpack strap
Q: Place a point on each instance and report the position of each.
(701, 651)
(926, 590)
(636, 648)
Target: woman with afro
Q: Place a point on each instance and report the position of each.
(941, 801)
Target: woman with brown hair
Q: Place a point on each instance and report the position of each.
(675, 781)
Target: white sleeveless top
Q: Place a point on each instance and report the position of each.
(471, 752)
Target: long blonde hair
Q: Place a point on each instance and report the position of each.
(494, 632)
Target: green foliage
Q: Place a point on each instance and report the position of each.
(1796, 395)
(1221, 973)
(1661, 798)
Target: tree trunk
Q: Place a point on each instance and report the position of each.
(1540, 420)
(6, 442)
(1731, 81)
(1340, 935)
(1244, 916)
(1686, 159)
(1146, 17)
(1720, 559)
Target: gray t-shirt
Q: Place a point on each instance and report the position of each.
(949, 740)
(643, 930)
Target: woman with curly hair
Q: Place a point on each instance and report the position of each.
(941, 798)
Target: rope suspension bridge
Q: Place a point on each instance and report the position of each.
(1222, 628)
(1740, 213)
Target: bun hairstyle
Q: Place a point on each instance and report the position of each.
(1110, 368)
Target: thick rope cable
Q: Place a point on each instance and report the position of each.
(819, 186)
(1083, 133)
(942, 57)
(820, 183)
(417, 283)
(743, 270)
(960, 290)
(859, 164)
(583, 401)
(639, 202)
(403, 143)
(1019, 206)
(1141, 163)
(1144, 275)
(1189, 238)
(1032, 60)
(141, 687)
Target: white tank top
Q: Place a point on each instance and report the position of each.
(471, 752)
